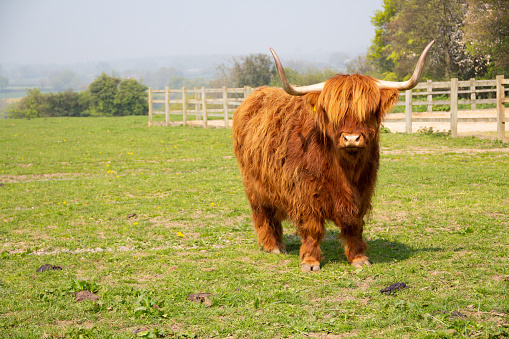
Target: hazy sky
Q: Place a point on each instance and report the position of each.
(68, 31)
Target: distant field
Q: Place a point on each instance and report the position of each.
(4, 103)
(13, 93)
(143, 217)
(19, 91)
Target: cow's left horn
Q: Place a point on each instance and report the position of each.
(414, 80)
(294, 90)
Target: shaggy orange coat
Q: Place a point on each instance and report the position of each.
(295, 165)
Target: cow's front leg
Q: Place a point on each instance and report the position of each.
(355, 246)
(311, 233)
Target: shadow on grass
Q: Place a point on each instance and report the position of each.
(380, 250)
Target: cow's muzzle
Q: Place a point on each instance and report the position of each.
(352, 140)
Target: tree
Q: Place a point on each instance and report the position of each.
(4, 82)
(37, 105)
(65, 104)
(379, 53)
(160, 77)
(406, 29)
(61, 81)
(112, 96)
(361, 65)
(34, 105)
(487, 35)
(254, 70)
(469, 36)
(309, 77)
(103, 92)
(419, 22)
(132, 98)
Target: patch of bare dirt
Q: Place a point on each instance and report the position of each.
(389, 216)
(464, 128)
(183, 160)
(88, 325)
(332, 336)
(40, 177)
(499, 318)
(442, 150)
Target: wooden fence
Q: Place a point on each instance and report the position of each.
(214, 107)
(202, 103)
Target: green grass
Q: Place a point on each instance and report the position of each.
(71, 186)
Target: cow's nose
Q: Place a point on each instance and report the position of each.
(352, 140)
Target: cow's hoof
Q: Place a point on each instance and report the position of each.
(278, 251)
(360, 262)
(281, 249)
(309, 268)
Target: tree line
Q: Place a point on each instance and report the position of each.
(471, 38)
(107, 95)
(471, 41)
(257, 70)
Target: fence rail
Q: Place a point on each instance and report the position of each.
(219, 103)
(202, 103)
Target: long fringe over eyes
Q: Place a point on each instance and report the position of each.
(357, 94)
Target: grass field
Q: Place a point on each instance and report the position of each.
(143, 217)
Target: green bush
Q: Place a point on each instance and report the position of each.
(106, 96)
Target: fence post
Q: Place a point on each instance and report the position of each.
(454, 107)
(246, 92)
(197, 105)
(429, 98)
(225, 106)
(167, 106)
(150, 108)
(473, 106)
(408, 110)
(184, 106)
(204, 104)
(500, 108)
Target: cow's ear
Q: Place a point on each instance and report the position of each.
(388, 98)
(311, 100)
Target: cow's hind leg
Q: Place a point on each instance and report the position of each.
(311, 233)
(355, 246)
(269, 229)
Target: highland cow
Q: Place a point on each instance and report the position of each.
(312, 154)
